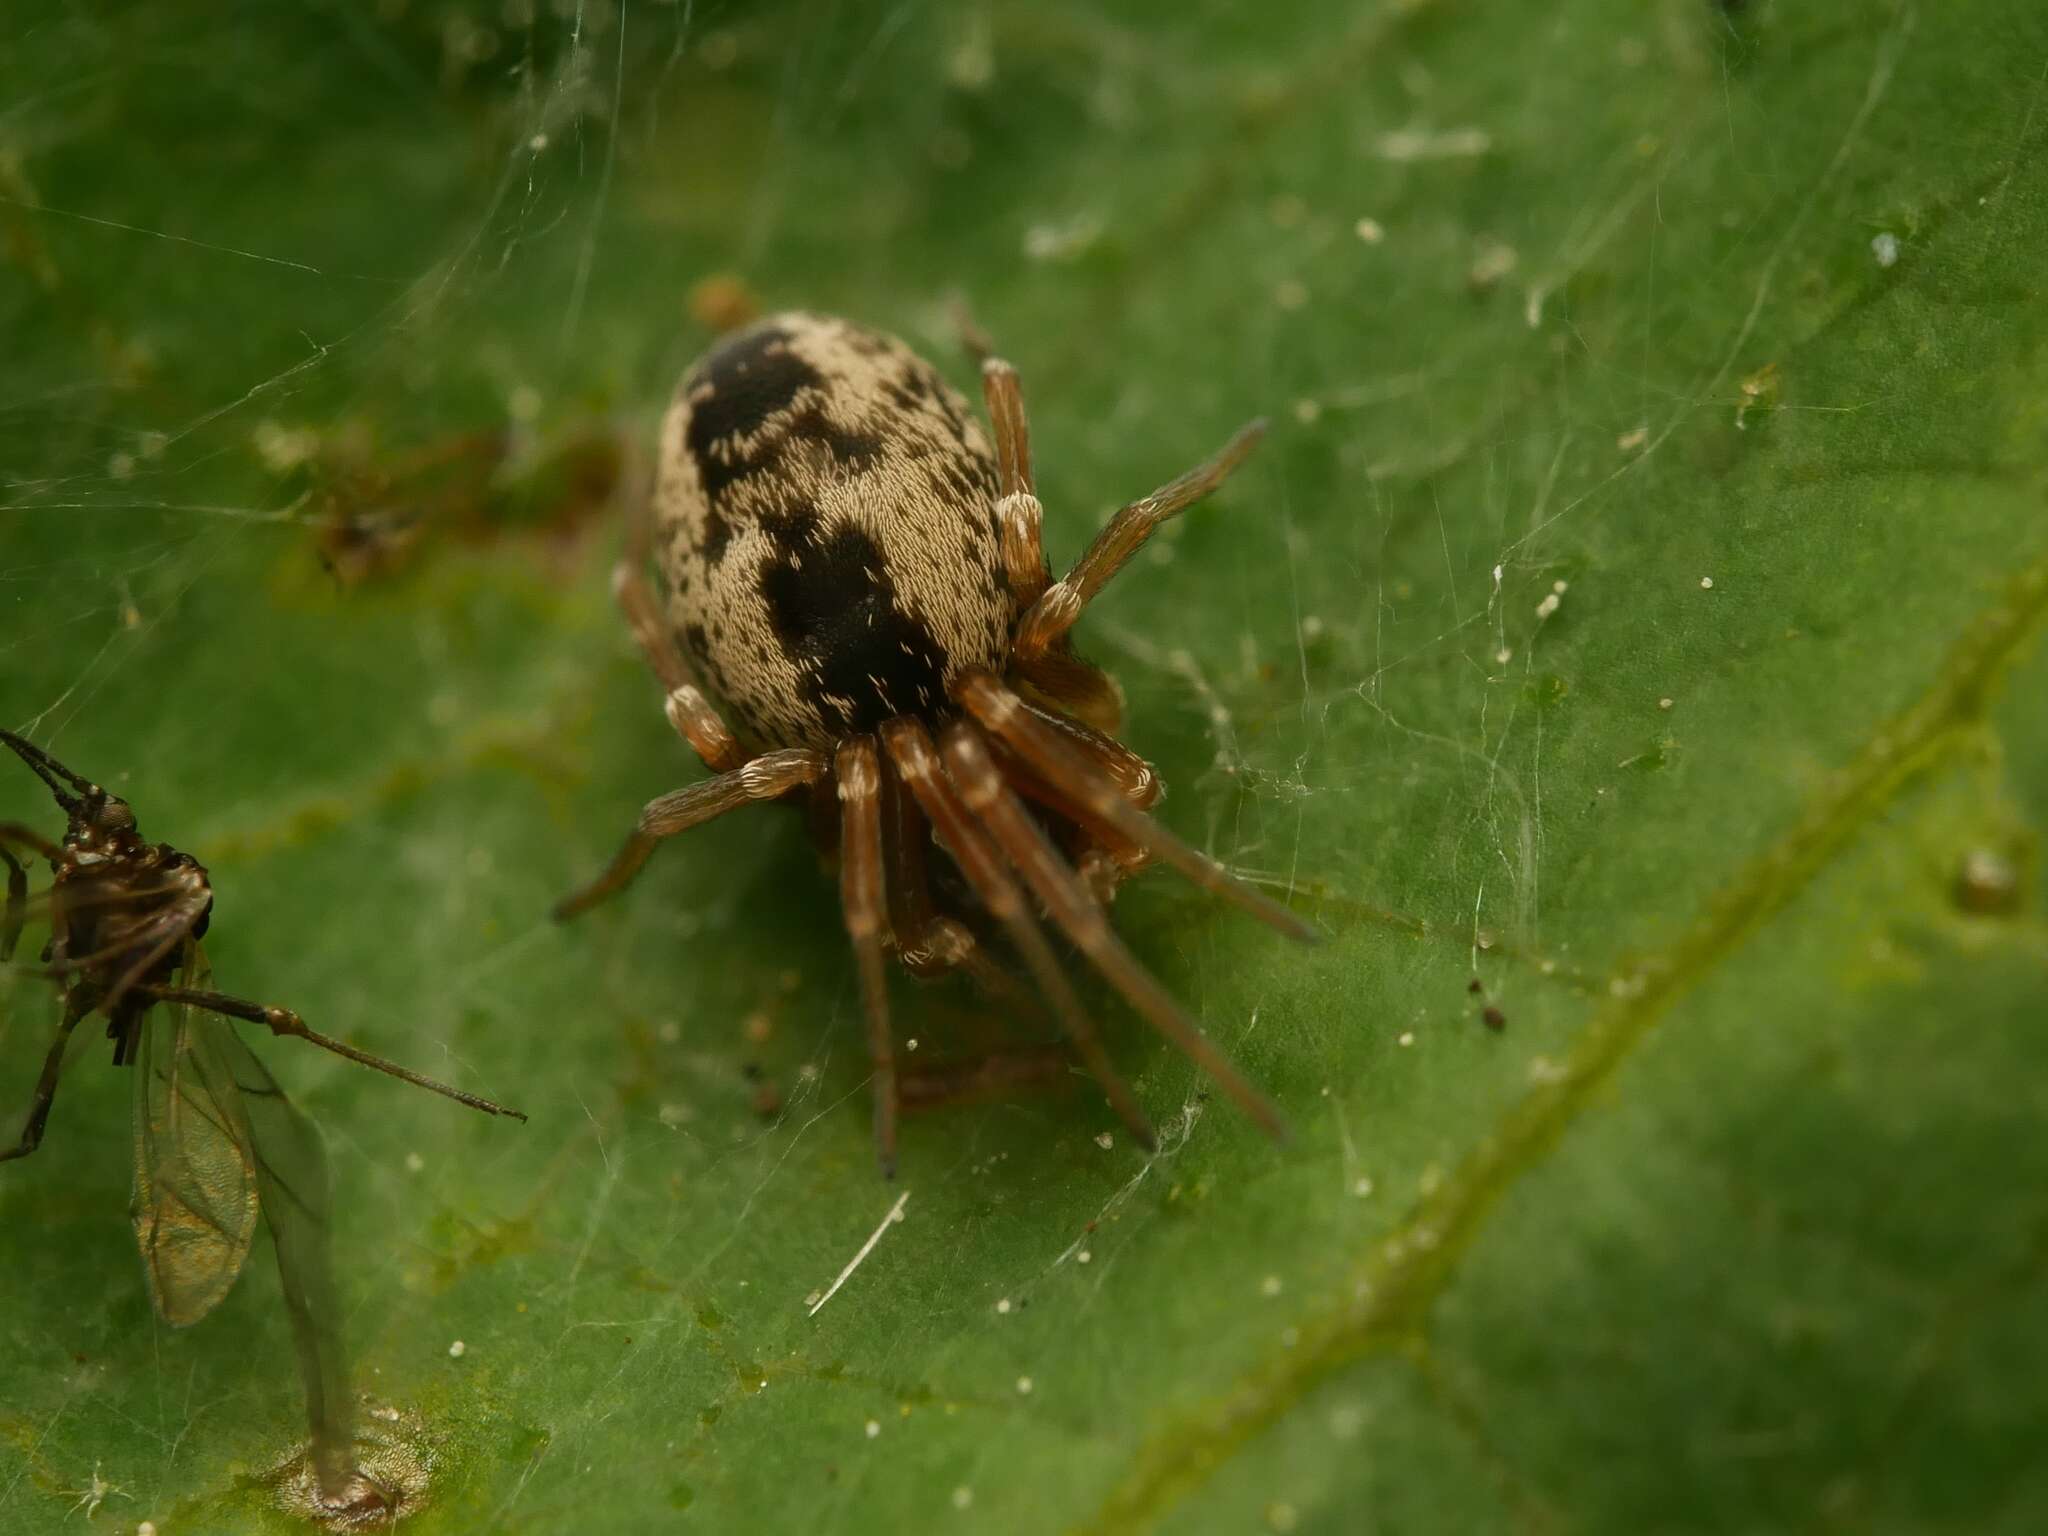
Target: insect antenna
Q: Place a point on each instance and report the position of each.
(50, 771)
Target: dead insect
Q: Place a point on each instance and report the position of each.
(216, 1140)
(858, 581)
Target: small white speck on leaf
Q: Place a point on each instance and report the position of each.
(1664, 703)
(1024, 1385)
(1706, 583)
(963, 1496)
(1494, 262)
(1418, 144)
(457, 1350)
(1371, 231)
(1270, 1286)
(1085, 1256)
(147, 1528)
(1504, 655)
(414, 1163)
(1307, 410)
(1105, 1141)
(874, 1428)
(1361, 1187)
(1003, 1307)
(910, 1044)
(1548, 606)
(537, 143)
(1407, 1037)
(1885, 248)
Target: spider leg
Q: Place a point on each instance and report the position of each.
(1018, 512)
(765, 778)
(980, 784)
(1058, 763)
(46, 1084)
(282, 1021)
(858, 770)
(1056, 609)
(910, 750)
(688, 710)
(1072, 685)
(928, 943)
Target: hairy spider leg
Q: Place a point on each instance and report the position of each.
(927, 943)
(858, 770)
(1008, 719)
(1018, 512)
(689, 711)
(1055, 610)
(1054, 671)
(917, 764)
(981, 785)
(767, 777)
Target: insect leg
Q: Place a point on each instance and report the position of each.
(980, 784)
(282, 1021)
(1056, 609)
(765, 778)
(1061, 765)
(910, 750)
(17, 904)
(46, 1084)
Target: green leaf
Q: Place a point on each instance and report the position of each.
(1635, 611)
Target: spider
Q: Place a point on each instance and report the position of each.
(216, 1141)
(858, 581)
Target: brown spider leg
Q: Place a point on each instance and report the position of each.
(1061, 765)
(929, 944)
(975, 775)
(767, 777)
(1064, 680)
(910, 749)
(46, 1084)
(858, 770)
(688, 710)
(1056, 609)
(1019, 516)
(282, 1021)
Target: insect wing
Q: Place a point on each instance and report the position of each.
(291, 1172)
(196, 1194)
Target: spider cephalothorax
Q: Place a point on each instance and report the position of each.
(855, 581)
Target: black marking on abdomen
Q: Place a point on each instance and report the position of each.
(835, 612)
(751, 377)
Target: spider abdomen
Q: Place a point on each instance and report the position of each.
(825, 525)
